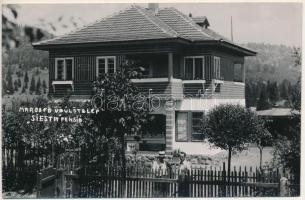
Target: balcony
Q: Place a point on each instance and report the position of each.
(163, 88)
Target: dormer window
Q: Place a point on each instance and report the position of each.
(64, 69)
(105, 64)
(194, 68)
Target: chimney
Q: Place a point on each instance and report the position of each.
(153, 7)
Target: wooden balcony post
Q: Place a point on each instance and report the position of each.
(170, 66)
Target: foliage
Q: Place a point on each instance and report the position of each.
(9, 82)
(44, 86)
(122, 113)
(38, 87)
(231, 127)
(263, 101)
(269, 93)
(26, 77)
(287, 149)
(18, 128)
(13, 35)
(272, 62)
(32, 85)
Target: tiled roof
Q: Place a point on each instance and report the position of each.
(137, 23)
(199, 19)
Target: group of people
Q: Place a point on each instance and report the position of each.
(161, 169)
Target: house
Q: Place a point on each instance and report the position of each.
(185, 61)
(279, 121)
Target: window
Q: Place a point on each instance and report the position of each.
(217, 67)
(194, 68)
(188, 125)
(197, 118)
(181, 126)
(105, 64)
(155, 126)
(64, 69)
(238, 72)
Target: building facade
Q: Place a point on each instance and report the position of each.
(187, 66)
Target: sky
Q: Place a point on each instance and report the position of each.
(272, 23)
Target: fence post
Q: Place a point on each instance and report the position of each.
(224, 181)
(39, 175)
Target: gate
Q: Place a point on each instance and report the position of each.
(46, 183)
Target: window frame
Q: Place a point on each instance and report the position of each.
(193, 58)
(106, 64)
(189, 125)
(216, 67)
(64, 68)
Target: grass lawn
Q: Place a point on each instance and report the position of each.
(246, 158)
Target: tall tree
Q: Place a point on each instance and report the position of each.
(26, 77)
(38, 87)
(32, 85)
(19, 82)
(9, 82)
(284, 94)
(16, 86)
(44, 86)
(263, 103)
(4, 87)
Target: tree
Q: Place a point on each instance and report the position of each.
(44, 86)
(263, 103)
(16, 86)
(284, 94)
(19, 82)
(231, 127)
(123, 113)
(273, 92)
(9, 82)
(23, 90)
(32, 85)
(287, 149)
(262, 139)
(38, 87)
(26, 77)
(4, 87)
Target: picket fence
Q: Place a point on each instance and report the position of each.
(142, 182)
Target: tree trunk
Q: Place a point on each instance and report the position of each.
(260, 157)
(229, 163)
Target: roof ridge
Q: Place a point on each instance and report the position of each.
(145, 14)
(190, 21)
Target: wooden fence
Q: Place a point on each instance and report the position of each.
(142, 182)
(20, 164)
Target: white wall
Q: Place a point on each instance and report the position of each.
(202, 148)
